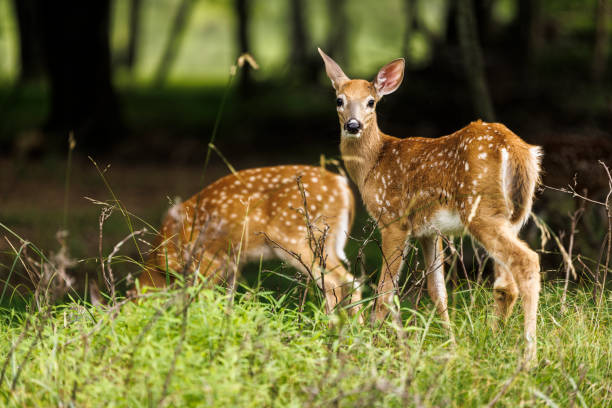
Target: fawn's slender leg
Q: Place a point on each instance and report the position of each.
(340, 286)
(334, 251)
(502, 244)
(350, 289)
(433, 253)
(393, 243)
(352, 292)
(505, 292)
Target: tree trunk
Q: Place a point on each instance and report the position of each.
(30, 52)
(411, 24)
(445, 50)
(134, 34)
(526, 28)
(298, 33)
(451, 37)
(472, 60)
(243, 14)
(483, 12)
(337, 44)
(600, 52)
(302, 60)
(78, 60)
(173, 41)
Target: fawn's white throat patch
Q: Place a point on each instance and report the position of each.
(348, 135)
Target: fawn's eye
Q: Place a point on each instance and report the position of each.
(339, 102)
(370, 103)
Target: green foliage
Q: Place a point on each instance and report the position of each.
(375, 33)
(263, 352)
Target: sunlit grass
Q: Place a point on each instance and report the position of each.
(262, 352)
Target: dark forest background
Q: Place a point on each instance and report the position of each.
(142, 76)
(140, 83)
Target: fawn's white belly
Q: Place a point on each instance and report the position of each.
(261, 252)
(443, 221)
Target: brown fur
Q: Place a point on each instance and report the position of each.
(480, 179)
(227, 223)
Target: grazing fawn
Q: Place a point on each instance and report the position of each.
(480, 179)
(259, 213)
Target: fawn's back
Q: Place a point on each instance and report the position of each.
(250, 214)
(438, 185)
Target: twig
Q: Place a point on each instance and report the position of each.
(104, 214)
(294, 255)
(570, 190)
(569, 266)
(109, 260)
(608, 206)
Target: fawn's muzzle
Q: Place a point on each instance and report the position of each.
(352, 126)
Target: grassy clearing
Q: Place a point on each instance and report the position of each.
(194, 347)
(263, 352)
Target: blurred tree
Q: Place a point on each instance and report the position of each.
(525, 34)
(76, 48)
(451, 37)
(445, 51)
(174, 41)
(602, 39)
(127, 56)
(243, 13)
(411, 25)
(337, 44)
(473, 63)
(303, 62)
(30, 50)
(483, 12)
(134, 34)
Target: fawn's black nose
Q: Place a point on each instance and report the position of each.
(352, 126)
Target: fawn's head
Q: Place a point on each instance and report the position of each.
(357, 98)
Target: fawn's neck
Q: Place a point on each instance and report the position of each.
(360, 155)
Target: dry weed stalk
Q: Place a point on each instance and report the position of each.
(48, 274)
(567, 256)
(603, 265)
(316, 244)
(608, 207)
(105, 213)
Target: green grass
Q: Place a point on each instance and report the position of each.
(263, 352)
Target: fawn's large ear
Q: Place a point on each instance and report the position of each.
(334, 72)
(389, 77)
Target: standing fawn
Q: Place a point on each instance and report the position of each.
(480, 179)
(261, 213)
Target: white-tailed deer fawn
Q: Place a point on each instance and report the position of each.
(259, 213)
(480, 179)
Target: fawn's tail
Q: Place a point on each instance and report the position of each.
(520, 176)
